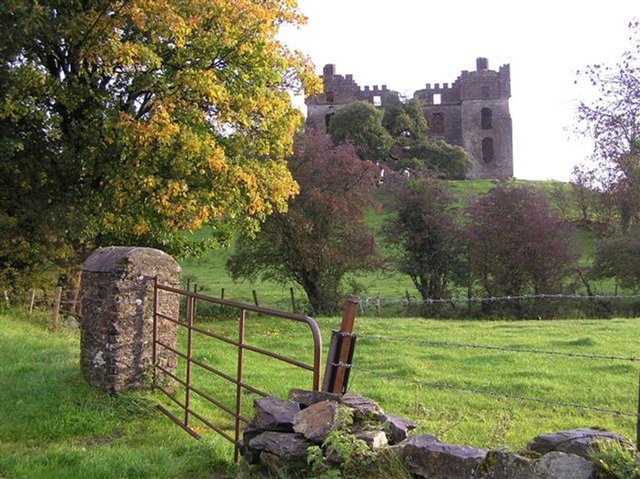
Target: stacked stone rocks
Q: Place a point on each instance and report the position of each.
(276, 443)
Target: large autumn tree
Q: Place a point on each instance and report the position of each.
(323, 235)
(131, 121)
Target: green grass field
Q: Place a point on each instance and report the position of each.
(55, 426)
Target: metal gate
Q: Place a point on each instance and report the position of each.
(189, 362)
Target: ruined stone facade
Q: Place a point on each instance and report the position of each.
(472, 112)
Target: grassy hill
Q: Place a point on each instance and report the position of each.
(210, 276)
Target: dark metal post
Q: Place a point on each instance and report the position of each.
(191, 302)
(239, 374)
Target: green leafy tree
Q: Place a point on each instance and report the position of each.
(360, 123)
(618, 258)
(404, 120)
(421, 234)
(128, 122)
(323, 235)
(413, 150)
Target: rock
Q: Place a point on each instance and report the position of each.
(574, 441)
(505, 465)
(426, 457)
(291, 447)
(274, 414)
(363, 408)
(554, 465)
(558, 465)
(375, 439)
(317, 421)
(307, 398)
(250, 431)
(398, 428)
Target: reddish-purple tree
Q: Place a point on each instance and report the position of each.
(516, 244)
(323, 235)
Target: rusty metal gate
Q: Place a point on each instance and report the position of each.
(183, 378)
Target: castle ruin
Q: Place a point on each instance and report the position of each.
(472, 112)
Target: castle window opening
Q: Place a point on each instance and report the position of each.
(377, 100)
(437, 123)
(327, 120)
(437, 98)
(486, 119)
(487, 150)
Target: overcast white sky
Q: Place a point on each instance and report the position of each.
(408, 43)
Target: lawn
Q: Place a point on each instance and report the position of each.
(468, 382)
(53, 425)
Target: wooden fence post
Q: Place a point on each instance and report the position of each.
(32, 301)
(56, 307)
(293, 301)
(341, 349)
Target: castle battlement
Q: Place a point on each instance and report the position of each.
(472, 112)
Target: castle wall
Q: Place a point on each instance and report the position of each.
(454, 113)
(500, 164)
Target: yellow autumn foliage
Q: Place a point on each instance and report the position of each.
(150, 117)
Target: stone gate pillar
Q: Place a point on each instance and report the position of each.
(116, 324)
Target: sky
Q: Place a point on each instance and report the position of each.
(406, 44)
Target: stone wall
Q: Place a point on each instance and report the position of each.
(277, 442)
(116, 326)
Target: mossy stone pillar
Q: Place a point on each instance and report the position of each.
(117, 292)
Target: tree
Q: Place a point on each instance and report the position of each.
(323, 235)
(516, 244)
(618, 258)
(422, 235)
(404, 121)
(413, 149)
(129, 122)
(613, 121)
(361, 124)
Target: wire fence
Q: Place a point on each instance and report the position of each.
(522, 306)
(410, 345)
(64, 304)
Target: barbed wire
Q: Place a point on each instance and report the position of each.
(378, 301)
(495, 394)
(446, 344)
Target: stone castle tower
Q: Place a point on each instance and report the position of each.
(472, 112)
